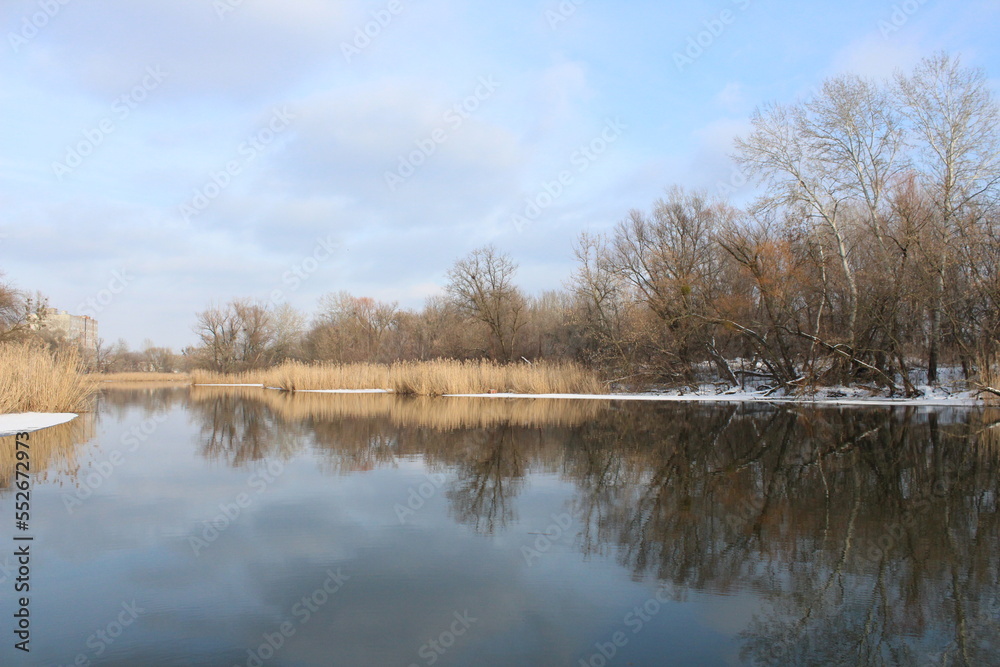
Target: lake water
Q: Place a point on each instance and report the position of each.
(224, 527)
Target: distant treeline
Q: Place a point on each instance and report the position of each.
(871, 256)
(873, 251)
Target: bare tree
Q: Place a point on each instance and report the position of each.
(255, 333)
(239, 336)
(789, 150)
(603, 299)
(438, 331)
(21, 315)
(374, 318)
(672, 262)
(218, 330)
(350, 328)
(481, 285)
(12, 312)
(838, 157)
(289, 326)
(955, 123)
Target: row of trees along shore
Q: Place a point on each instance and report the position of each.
(873, 251)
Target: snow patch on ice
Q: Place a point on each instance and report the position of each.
(26, 422)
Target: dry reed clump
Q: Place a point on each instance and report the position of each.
(184, 378)
(989, 381)
(212, 377)
(32, 379)
(424, 378)
(483, 377)
(295, 376)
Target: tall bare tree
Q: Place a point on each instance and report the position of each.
(217, 329)
(777, 153)
(350, 328)
(236, 337)
(955, 124)
(481, 285)
(671, 260)
(604, 302)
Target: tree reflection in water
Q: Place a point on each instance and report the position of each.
(53, 453)
(871, 535)
(488, 479)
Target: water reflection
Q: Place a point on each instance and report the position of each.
(53, 452)
(489, 478)
(850, 536)
(870, 535)
(116, 399)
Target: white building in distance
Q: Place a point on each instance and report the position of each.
(79, 329)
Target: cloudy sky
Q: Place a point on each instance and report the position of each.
(158, 156)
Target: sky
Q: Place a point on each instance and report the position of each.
(158, 157)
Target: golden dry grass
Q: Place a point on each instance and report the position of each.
(211, 377)
(183, 378)
(294, 376)
(989, 381)
(481, 377)
(427, 378)
(32, 379)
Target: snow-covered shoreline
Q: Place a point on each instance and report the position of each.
(26, 422)
(751, 397)
(841, 395)
(932, 396)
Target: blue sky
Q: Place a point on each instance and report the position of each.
(159, 156)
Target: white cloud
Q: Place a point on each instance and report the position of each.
(257, 50)
(354, 121)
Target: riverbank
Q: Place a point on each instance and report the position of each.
(539, 380)
(831, 396)
(427, 378)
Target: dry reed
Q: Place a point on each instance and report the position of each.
(989, 381)
(32, 379)
(426, 378)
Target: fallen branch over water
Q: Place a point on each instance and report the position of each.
(839, 350)
(988, 389)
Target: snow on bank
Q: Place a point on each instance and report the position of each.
(932, 396)
(25, 422)
(849, 397)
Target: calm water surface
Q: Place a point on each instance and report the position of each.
(248, 527)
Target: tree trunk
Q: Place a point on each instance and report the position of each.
(935, 332)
